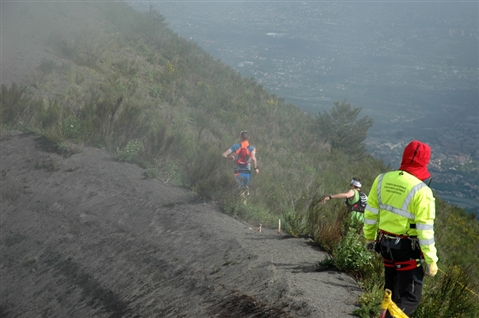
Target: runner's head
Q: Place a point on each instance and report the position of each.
(244, 135)
(356, 183)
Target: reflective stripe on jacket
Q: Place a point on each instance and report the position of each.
(401, 204)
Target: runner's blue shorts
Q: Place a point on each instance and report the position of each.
(243, 179)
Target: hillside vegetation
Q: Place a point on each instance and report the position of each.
(131, 86)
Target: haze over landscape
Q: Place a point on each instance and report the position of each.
(412, 66)
(115, 201)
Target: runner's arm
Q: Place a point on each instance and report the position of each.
(227, 153)
(344, 195)
(254, 161)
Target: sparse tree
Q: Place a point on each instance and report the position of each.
(342, 128)
(155, 18)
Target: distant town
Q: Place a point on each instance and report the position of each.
(454, 175)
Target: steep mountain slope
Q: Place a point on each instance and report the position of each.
(87, 236)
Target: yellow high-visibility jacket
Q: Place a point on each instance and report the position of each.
(401, 204)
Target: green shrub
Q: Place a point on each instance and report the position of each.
(127, 67)
(51, 114)
(71, 128)
(295, 223)
(174, 174)
(155, 91)
(52, 137)
(23, 126)
(372, 286)
(152, 173)
(130, 151)
(351, 257)
(370, 302)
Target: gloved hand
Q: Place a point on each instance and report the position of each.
(431, 269)
(369, 245)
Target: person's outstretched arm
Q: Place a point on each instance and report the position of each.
(344, 195)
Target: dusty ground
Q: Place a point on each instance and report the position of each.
(87, 236)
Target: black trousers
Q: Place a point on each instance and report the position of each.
(405, 282)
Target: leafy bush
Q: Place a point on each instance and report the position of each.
(71, 128)
(155, 91)
(371, 297)
(295, 223)
(351, 257)
(51, 114)
(152, 173)
(130, 151)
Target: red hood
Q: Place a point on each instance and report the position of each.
(415, 158)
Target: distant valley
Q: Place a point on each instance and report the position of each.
(413, 68)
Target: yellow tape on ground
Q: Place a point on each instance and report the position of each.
(389, 305)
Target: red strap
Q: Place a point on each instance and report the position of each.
(401, 266)
(388, 263)
(407, 265)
